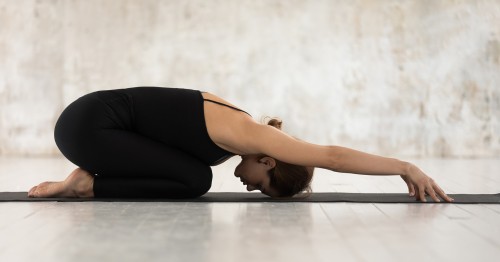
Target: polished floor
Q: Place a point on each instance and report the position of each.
(124, 231)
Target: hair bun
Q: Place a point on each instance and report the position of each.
(275, 122)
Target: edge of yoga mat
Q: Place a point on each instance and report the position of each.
(257, 197)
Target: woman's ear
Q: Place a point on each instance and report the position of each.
(268, 161)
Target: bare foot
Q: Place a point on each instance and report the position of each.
(79, 183)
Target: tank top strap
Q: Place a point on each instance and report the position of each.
(226, 105)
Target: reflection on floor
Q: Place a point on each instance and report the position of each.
(99, 231)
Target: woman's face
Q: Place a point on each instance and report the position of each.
(253, 172)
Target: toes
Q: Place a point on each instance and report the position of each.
(32, 191)
(76, 184)
(42, 190)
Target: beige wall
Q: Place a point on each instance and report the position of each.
(399, 78)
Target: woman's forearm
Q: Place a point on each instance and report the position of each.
(348, 160)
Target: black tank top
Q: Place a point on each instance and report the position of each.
(175, 117)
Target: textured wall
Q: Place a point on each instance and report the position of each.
(400, 78)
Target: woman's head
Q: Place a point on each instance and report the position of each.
(271, 176)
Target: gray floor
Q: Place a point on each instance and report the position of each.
(99, 231)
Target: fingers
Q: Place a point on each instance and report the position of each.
(411, 187)
(441, 193)
(421, 193)
(424, 190)
(432, 193)
(433, 190)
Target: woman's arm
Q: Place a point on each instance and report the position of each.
(268, 140)
(257, 138)
(348, 160)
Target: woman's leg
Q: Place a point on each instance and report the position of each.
(126, 164)
(130, 165)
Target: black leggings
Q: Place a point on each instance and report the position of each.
(96, 133)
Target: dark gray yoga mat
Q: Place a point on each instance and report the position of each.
(257, 197)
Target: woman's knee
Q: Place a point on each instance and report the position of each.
(75, 128)
(201, 183)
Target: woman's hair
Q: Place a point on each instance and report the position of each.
(288, 179)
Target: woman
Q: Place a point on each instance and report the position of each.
(161, 142)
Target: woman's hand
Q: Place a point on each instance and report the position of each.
(419, 184)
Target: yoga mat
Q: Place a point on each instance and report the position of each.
(257, 197)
